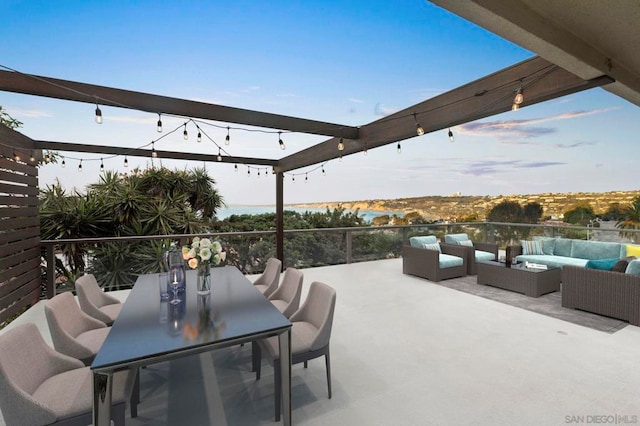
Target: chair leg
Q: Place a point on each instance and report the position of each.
(305, 364)
(135, 396)
(117, 414)
(256, 359)
(277, 385)
(328, 365)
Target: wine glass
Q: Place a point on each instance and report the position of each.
(176, 275)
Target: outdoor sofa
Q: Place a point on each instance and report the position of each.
(558, 252)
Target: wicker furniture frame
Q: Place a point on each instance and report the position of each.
(530, 282)
(613, 294)
(424, 263)
(470, 253)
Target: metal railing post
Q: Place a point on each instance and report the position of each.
(51, 271)
(349, 246)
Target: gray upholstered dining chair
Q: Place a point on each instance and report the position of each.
(41, 386)
(96, 302)
(310, 335)
(73, 332)
(287, 296)
(267, 283)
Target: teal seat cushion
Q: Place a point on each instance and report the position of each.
(449, 261)
(484, 255)
(421, 241)
(552, 261)
(455, 238)
(602, 264)
(595, 250)
(633, 267)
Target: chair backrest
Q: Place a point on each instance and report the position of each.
(271, 275)
(89, 292)
(318, 309)
(290, 290)
(422, 240)
(66, 321)
(455, 238)
(26, 361)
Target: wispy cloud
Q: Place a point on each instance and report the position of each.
(32, 113)
(286, 95)
(358, 101)
(508, 130)
(491, 167)
(382, 110)
(130, 119)
(250, 89)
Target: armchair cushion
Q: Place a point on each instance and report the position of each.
(633, 268)
(434, 246)
(449, 261)
(420, 241)
(484, 255)
(466, 243)
(456, 238)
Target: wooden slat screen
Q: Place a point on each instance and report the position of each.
(20, 272)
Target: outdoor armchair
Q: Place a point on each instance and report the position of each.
(267, 283)
(96, 302)
(475, 251)
(310, 335)
(73, 332)
(436, 263)
(287, 297)
(41, 386)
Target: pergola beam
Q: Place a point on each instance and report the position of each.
(90, 93)
(490, 95)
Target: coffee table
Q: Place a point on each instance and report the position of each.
(148, 331)
(529, 281)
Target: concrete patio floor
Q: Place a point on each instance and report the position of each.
(405, 351)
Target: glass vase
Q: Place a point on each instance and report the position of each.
(204, 279)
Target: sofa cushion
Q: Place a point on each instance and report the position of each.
(466, 243)
(602, 264)
(621, 265)
(562, 247)
(547, 244)
(633, 250)
(449, 261)
(434, 246)
(531, 247)
(552, 261)
(595, 250)
(633, 267)
(455, 238)
(420, 241)
(484, 255)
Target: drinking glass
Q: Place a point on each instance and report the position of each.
(176, 276)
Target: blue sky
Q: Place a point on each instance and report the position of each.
(348, 62)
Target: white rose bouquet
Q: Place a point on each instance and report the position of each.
(203, 252)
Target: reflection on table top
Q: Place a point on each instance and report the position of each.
(149, 329)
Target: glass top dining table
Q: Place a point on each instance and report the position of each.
(149, 330)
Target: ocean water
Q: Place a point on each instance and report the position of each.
(225, 212)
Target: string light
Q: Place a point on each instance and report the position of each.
(126, 161)
(306, 178)
(80, 166)
(450, 135)
(365, 151)
(419, 129)
(235, 166)
(248, 172)
(341, 145)
(282, 146)
(518, 99)
(323, 172)
(16, 156)
(101, 165)
(154, 154)
(185, 134)
(159, 123)
(227, 140)
(64, 163)
(399, 148)
(32, 158)
(219, 155)
(293, 178)
(98, 115)
(199, 138)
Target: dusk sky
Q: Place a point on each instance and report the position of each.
(346, 62)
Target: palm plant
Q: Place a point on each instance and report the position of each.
(630, 220)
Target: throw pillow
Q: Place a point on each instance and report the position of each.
(633, 268)
(434, 246)
(602, 264)
(633, 250)
(621, 265)
(531, 247)
(466, 243)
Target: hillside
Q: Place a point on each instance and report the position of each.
(454, 206)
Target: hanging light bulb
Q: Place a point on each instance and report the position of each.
(154, 154)
(126, 162)
(515, 107)
(32, 158)
(282, 146)
(64, 163)
(258, 172)
(323, 172)
(46, 158)
(419, 129)
(366, 151)
(80, 166)
(249, 171)
(101, 165)
(293, 178)
(519, 98)
(306, 178)
(341, 145)
(185, 134)
(98, 115)
(219, 158)
(16, 156)
(227, 140)
(340, 158)
(199, 138)
(159, 123)
(399, 148)
(450, 136)
(235, 167)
